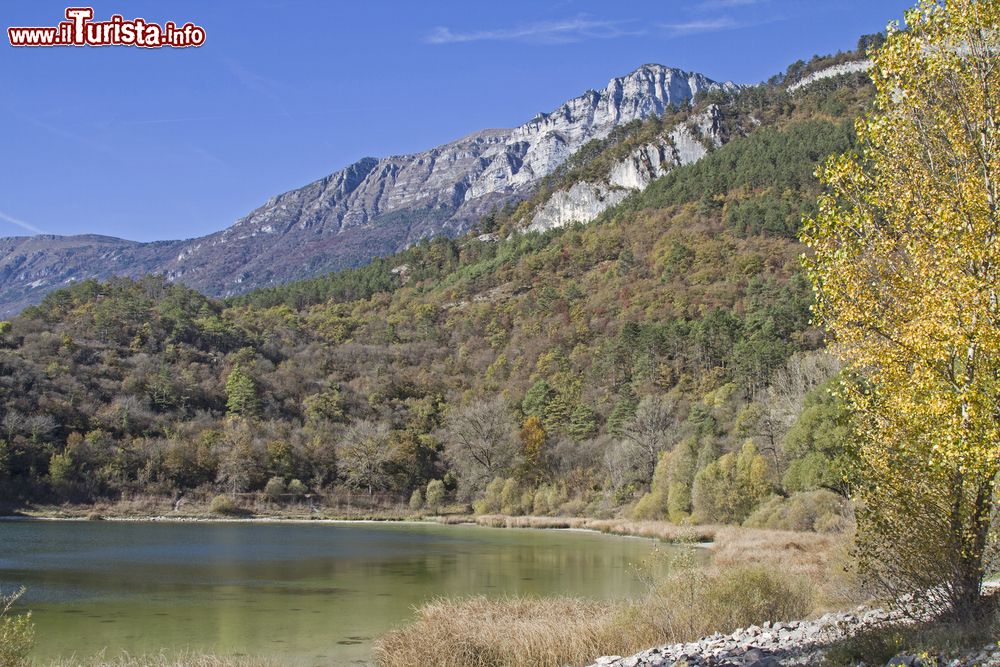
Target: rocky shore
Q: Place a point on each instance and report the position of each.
(789, 644)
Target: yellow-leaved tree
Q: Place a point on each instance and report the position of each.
(906, 265)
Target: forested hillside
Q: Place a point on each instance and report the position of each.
(659, 361)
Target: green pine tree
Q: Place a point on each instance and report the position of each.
(582, 423)
(241, 394)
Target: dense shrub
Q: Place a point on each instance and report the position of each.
(297, 488)
(654, 505)
(490, 503)
(275, 488)
(435, 494)
(224, 505)
(819, 443)
(417, 500)
(822, 511)
(548, 499)
(728, 489)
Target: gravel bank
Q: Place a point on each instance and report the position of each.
(781, 644)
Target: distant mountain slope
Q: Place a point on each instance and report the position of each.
(371, 208)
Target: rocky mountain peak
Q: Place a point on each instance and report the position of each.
(373, 207)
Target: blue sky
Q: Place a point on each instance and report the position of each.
(158, 143)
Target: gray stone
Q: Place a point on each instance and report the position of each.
(800, 644)
(584, 201)
(768, 661)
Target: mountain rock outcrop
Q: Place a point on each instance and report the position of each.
(375, 206)
(832, 71)
(584, 201)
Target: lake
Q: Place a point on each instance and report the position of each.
(305, 593)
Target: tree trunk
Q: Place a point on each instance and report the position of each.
(968, 601)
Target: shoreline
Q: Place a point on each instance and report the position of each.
(472, 523)
(197, 518)
(202, 519)
(700, 536)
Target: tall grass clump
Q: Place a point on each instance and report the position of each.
(694, 602)
(17, 633)
(510, 631)
(684, 602)
(223, 505)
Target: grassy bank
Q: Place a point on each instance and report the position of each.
(659, 530)
(518, 631)
(819, 557)
(753, 576)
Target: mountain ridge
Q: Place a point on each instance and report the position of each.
(370, 208)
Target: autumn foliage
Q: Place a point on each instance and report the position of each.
(906, 266)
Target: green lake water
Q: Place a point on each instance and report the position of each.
(305, 594)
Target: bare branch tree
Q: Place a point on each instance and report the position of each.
(652, 430)
(481, 443)
(363, 455)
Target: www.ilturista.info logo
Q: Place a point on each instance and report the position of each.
(80, 30)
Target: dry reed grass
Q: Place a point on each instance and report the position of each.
(506, 632)
(528, 632)
(754, 575)
(660, 530)
(808, 554)
(454, 520)
(824, 559)
(196, 507)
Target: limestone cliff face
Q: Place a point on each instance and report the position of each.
(584, 201)
(374, 206)
(551, 138)
(459, 178)
(832, 71)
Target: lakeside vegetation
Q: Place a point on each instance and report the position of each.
(753, 576)
(481, 631)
